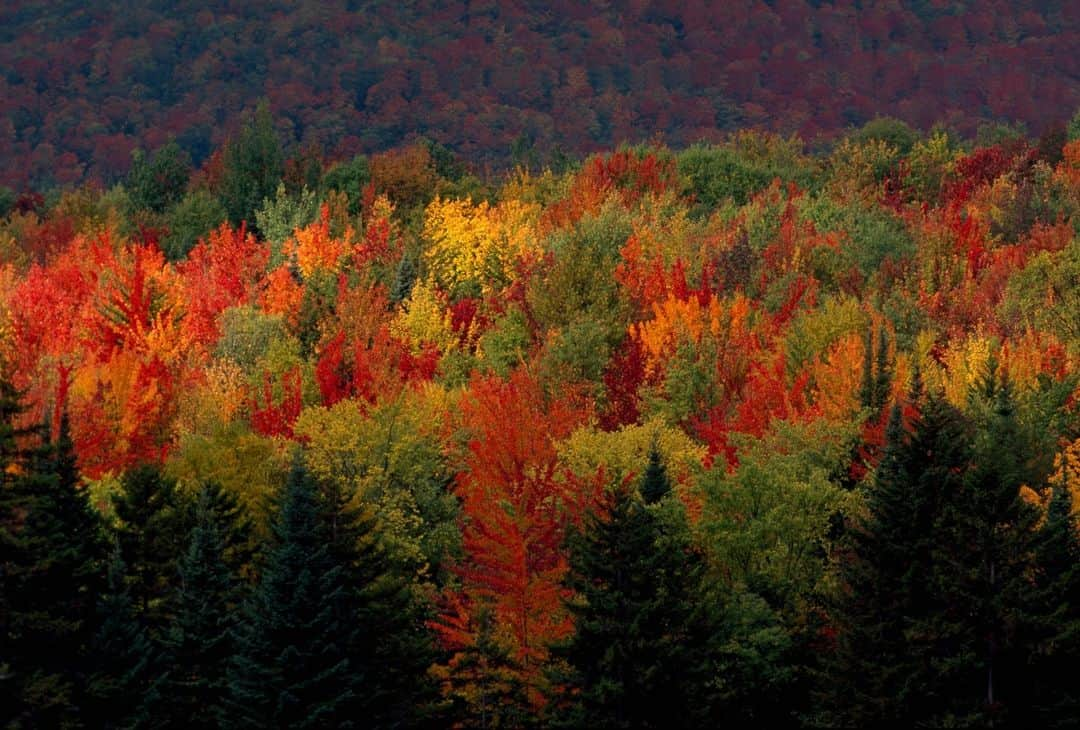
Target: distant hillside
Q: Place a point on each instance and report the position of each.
(82, 83)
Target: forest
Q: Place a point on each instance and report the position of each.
(86, 82)
(741, 431)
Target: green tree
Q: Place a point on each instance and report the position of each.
(122, 690)
(1057, 556)
(200, 638)
(51, 575)
(151, 516)
(192, 218)
(291, 668)
(636, 658)
(880, 671)
(157, 182)
(253, 166)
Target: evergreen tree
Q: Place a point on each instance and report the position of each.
(986, 535)
(121, 692)
(151, 535)
(655, 485)
(636, 658)
(881, 669)
(291, 669)
(157, 182)
(392, 650)
(1056, 698)
(199, 641)
(253, 166)
(51, 576)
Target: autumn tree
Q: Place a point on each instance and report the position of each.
(517, 504)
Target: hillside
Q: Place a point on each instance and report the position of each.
(85, 83)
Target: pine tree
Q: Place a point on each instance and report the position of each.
(291, 668)
(636, 657)
(151, 515)
(51, 578)
(121, 691)
(392, 650)
(199, 641)
(986, 534)
(880, 670)
(1055, 697)
(655, 485)
(253, 166)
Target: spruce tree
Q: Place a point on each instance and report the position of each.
(881, 669)
(122, 690)
(636, 658)
(1055, 696)
(986, 535)
(51, 577)
(392, 648)
(199, 642)
(151, 534)
(291, 668)
(253, 166)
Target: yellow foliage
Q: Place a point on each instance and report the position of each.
(478, 243)
(625, 453)
(1067, 472)
(837, 376)
(962, 365)
(424, 318)
(218, 400)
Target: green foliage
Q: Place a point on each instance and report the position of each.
(390, 463)
(1046, 294)
(52, 559)
(122, 689)
(157, 182)
(636, 658)
(7, 201)
(200, 638)
(1073, 130)
(150, 533)
(189, 220)
(253, 166)
(281, 215)
(506, 344)
(291, 668)
(350, 177)
(248, 335)
(892, 131)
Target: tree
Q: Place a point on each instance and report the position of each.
(516, 507)
(253, 166)
(52, 569)
(200, 638)
(986, 534)
(880, 670)
(156, 183)
(636, 658)
(1057, 557)
(151, 535)
(122, 690)
(290, 668)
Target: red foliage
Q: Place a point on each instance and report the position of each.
(276, 419)
(225, 270)
(517, 504)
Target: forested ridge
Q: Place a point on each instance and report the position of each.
(739, 432)
(85, 83)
